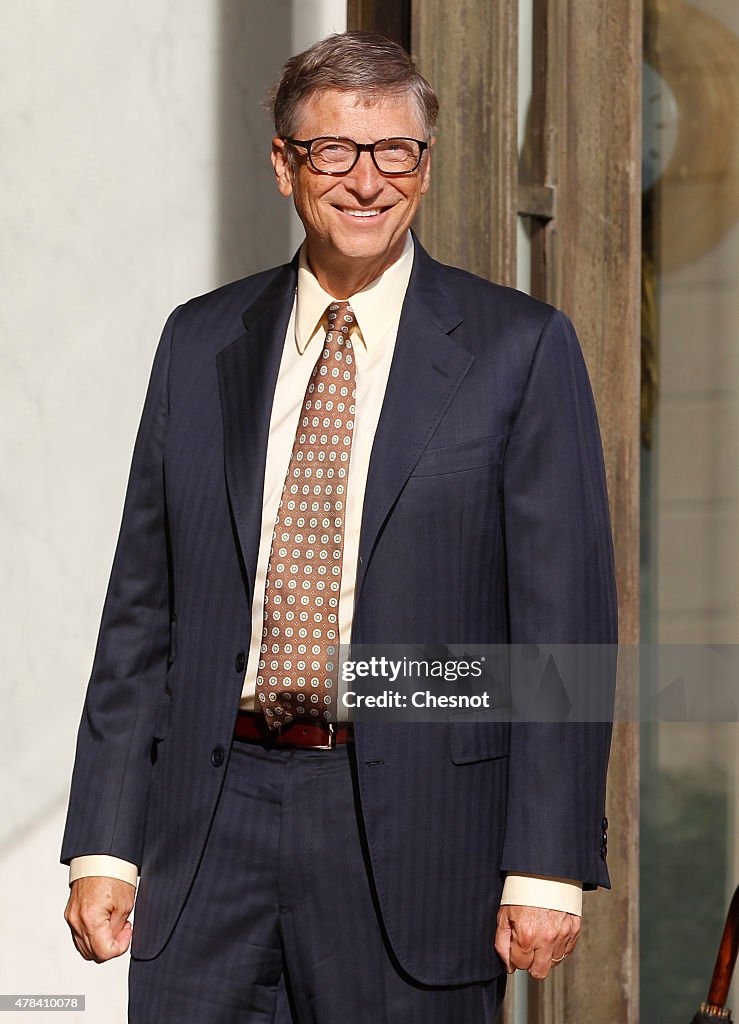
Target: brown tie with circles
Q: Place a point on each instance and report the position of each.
(298, 666)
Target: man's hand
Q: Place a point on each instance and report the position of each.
(97, 914)
(534, 940)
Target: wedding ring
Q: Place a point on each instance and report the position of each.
(559, 961)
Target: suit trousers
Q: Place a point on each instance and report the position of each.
(281, 924)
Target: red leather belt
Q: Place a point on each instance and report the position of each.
(252, 728)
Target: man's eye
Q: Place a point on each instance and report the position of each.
(333, 149)
(397, 148)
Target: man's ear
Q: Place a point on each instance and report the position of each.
(281, 164)
(426, 167)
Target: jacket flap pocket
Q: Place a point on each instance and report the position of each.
(455, 458)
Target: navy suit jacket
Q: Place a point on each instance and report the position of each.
(485, 521)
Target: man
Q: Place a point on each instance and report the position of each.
(362, 446)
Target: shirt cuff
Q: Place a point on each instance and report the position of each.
(543, 891)
(102, 864)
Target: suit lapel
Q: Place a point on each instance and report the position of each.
(247, 373)
(427, 368)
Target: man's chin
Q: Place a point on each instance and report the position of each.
(360, 246)
(355, 254)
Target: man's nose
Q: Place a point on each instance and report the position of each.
(364, 178)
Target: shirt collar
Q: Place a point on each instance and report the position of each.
(375, 307)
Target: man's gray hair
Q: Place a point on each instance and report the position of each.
(362, 62)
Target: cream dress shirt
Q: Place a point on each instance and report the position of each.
(377, 309)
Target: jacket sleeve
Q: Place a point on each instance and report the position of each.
(561, 594)
(113, 763)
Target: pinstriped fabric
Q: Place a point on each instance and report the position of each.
(194, 540)
(211, 595)
(286, 837)
(481, 379)
(454, 868)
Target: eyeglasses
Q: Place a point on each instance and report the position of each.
(330, 155)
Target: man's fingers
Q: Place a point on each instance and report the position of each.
(109, 944)
(119, 918)
(94, 940)
(559, 952)
(568, 947)
(95, 947)
(97, 914)
(541, 964)
(520, 947)
(503, 940)
(101, 943)
(539, 938)
(522, 953)
(521, 958)
(82, 948)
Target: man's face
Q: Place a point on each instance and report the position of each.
(329, 207)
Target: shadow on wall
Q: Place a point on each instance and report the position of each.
(253, 227)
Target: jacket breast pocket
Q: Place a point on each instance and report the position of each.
(459, 458)
(480, 736)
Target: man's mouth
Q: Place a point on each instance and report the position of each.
(362, 214)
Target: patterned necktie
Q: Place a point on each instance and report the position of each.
(298, 667)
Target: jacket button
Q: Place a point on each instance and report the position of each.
(240, 663)
(604, 851)
(217, 757)
(604, 824)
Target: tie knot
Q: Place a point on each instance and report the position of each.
(340, 316)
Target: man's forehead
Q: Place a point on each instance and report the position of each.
(331, 106)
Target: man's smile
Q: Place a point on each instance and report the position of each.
(358, 213)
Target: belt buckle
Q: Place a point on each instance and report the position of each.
(331, 745)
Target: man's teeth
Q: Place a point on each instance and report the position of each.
(362, 213)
